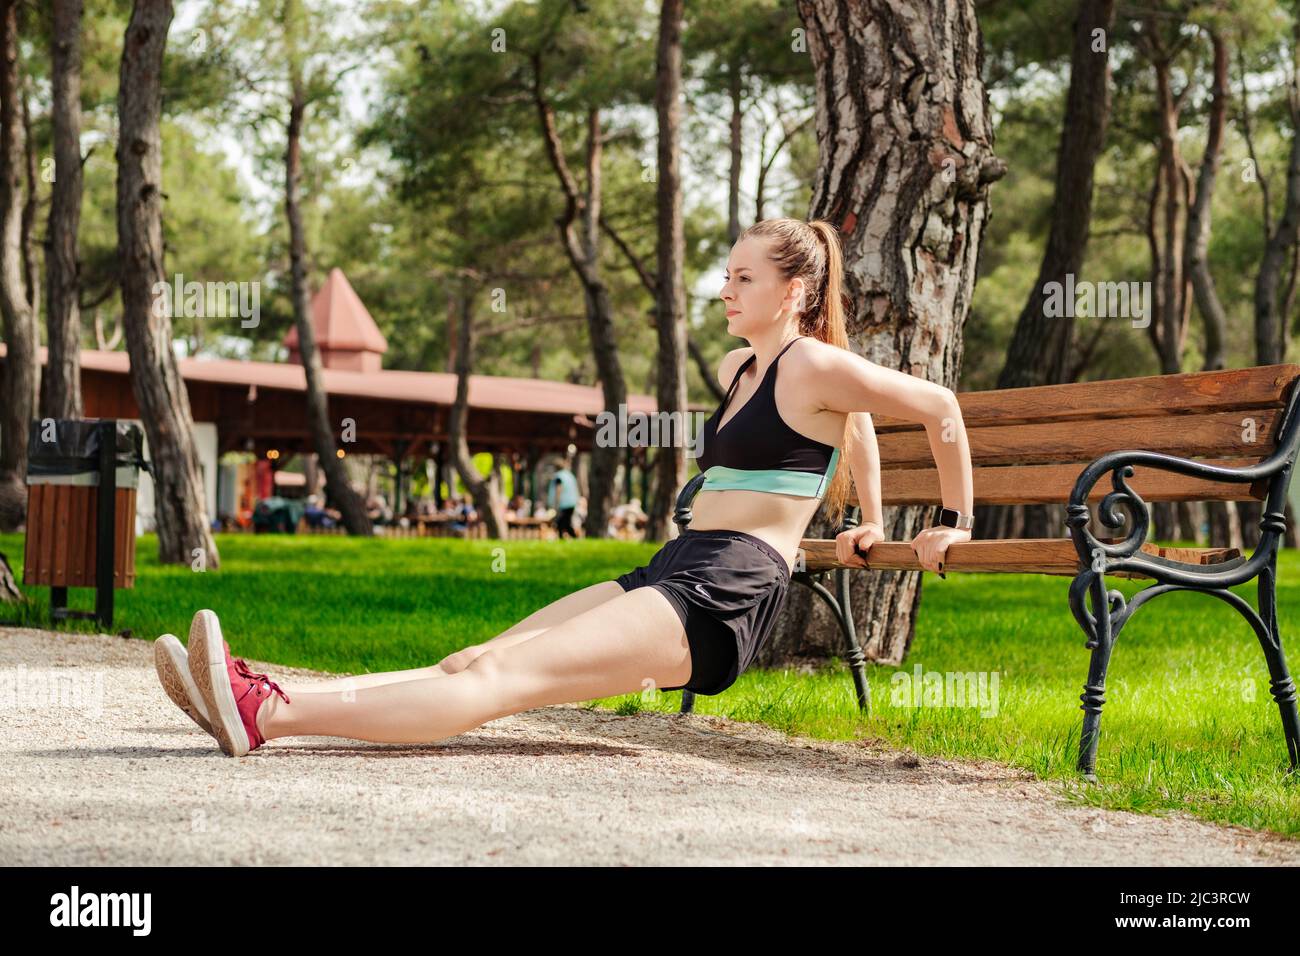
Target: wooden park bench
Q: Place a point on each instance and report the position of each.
(1204, 436)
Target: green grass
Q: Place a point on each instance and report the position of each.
(1189, 723)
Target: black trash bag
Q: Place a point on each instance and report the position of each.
(74, 447)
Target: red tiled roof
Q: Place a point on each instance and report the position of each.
(485, 391)
(340, 319)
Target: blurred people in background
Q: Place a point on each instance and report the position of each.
(318, 517)
(377, 508)
(464, 511)
(627, 520)
(562, 495)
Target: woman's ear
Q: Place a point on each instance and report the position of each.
(795, 295)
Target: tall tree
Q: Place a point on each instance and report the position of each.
(1271, 328)
(1196, 245)
(583, 251)
(182, 519)
(906, 178)
(1041, 345)
(337, 486)
(487, 498)
(62, 383)
(1167, 212)
(21, 370)
(1281, 249)
(1224, 526)
(31, 261)
(670, 311)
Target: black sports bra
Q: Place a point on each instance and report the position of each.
(756, 450)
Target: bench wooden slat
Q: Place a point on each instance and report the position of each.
(1052, 484)
(1007, 556)
(1227, 389)
(1189, 436)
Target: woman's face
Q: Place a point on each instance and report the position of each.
(754, 292)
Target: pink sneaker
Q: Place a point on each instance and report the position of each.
(230, 690)
(174, 674)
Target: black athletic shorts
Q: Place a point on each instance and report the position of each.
(728, 588)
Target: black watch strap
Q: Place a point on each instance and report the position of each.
(952, 518)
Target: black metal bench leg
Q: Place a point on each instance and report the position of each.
(844, 617)
(1280, 683)
(1094, 691)
(857, 660)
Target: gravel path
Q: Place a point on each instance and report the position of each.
(127, 779)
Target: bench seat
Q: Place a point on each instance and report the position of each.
(1007, 555)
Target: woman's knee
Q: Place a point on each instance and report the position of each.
(456, 662)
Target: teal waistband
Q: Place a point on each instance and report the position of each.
(777, 481)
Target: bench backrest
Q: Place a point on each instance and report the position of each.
(1028, 445)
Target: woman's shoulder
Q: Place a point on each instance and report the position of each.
(731, 363)
(812, 356)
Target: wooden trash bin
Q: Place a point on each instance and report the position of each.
(61, 525)
(74, 467)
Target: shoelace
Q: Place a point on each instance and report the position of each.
(243, 670)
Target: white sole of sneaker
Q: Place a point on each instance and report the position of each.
(208, 668)
(173, 666)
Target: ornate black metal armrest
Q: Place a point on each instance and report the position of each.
(1126, 555)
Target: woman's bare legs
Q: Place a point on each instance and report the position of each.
(558, 611)
(620, 646)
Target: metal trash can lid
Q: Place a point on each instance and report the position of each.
(70, 446)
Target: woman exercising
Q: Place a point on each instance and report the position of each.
(696, 616)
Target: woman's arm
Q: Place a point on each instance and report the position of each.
(841, 381)
(864, 465)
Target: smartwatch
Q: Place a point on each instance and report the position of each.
(952, 518)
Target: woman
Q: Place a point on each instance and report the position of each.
(698, 613)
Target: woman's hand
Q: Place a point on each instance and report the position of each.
(862, 537)
(931, 544)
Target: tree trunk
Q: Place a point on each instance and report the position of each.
(31, 262)
(1167, 241)
(62, 383)
(1225, 525)
(734, 90)
(487, 501)
(1041, 343)
(159, 392)
(337, 487)
(21, 369)
(1270, 327)
(9, 592)
(583, 254)
(1224, 529)
(1191, 515)
(705, 369)
(1039, 352)
(1198, 217)
(905, 143)
(1172, 281)
(112, 342)
(1164, 521)
(670, 311)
